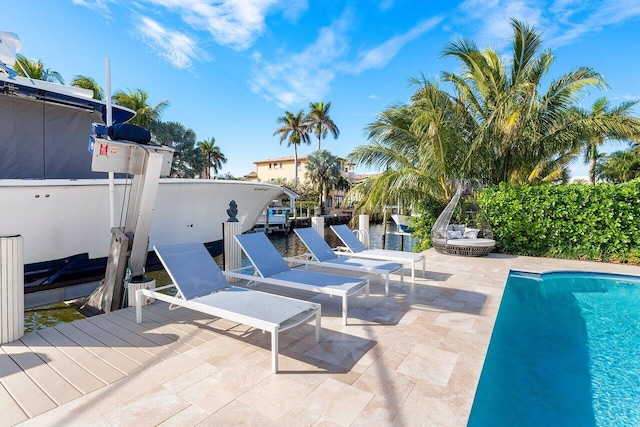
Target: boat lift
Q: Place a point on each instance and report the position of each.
(129, 244)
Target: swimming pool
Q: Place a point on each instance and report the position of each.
(565, 350)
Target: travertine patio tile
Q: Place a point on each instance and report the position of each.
(148, 410)
(276, 395)
(339, 402)
(424, 331)
(237, 413)
(464, 342)
(297, 417)
(223, 386)
(390, 390)
(422, 409)
(428, 364)
(460, 321)
(221, 351)
(189, 416)
(189, 378)
(324, 421)
(340, 349)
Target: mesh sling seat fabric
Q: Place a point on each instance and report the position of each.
(324, 256)
(201, 287)
(443, 233)
(355, 248)
(271, 268)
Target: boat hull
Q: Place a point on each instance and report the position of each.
(67, 219)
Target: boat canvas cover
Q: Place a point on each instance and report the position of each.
(42, 140)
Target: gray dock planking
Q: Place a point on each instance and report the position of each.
(50, 367)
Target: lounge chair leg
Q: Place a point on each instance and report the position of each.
(318, 323)
(344, 310)
(386, 286)
(366, 295)
(274, 350)
(139, 306)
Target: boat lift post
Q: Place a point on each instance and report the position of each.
(129, 244)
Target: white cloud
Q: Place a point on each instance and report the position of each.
(100, 6)
(594, 18)
(561, 21)
(382, 54)
(175, 47)
(298, 78)
(232, 23)
(495, 16)
(293, 9)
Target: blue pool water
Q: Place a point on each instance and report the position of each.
(565, 351)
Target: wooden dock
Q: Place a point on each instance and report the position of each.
(50, 367)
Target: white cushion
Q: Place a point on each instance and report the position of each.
(471, 233)
(483, 243)
(454, 235)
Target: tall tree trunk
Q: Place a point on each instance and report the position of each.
(592, 170)
(295, 163)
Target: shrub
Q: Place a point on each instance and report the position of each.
(597, 222)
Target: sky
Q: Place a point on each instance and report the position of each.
(230, 68)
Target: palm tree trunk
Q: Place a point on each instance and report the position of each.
(295, 163)
(592, 170)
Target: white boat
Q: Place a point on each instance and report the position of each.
(274, 219)
(50, 196)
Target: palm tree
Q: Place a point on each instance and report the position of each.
(35, 69)
(319, 121)
(294, 128)
(188, 161)
(138, 101)
(418, 147)
(620, 166)
(86, 82)
(213, 157)
(496, 124)
(323, 169)
(606, 123)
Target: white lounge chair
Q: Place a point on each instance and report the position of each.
(324, 256)
(356, 248)
(201, 287)
(271, 268)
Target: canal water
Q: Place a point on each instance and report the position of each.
(287, 244)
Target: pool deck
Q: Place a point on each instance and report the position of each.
(411, 359)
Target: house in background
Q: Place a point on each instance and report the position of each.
(283, 168)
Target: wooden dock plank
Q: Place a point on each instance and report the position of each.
(105, 353)
(11, 412)
(81, 356)
(154, 331)
(132, 338)
(144, 329)
(75, 374)
(44, 376)
(134, 353)
(32, 400)
(183, 325)
(186, 316)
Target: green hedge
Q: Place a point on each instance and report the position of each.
(598, 222)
